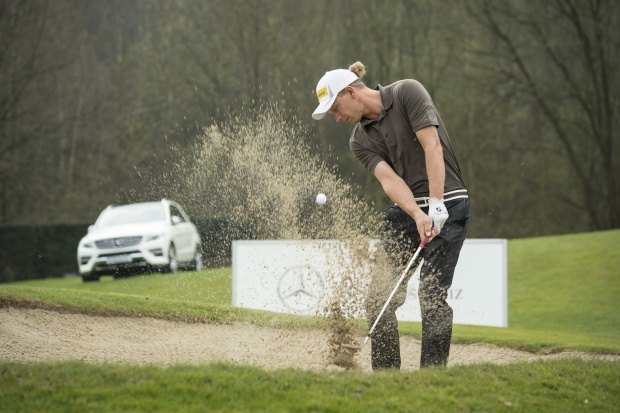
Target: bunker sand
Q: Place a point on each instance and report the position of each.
(34, 335)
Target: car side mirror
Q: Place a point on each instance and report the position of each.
(90, 228)
(176, 220)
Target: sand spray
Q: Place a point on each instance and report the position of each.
(258, 171)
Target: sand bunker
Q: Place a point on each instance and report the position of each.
(33, 335)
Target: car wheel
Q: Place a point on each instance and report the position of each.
(197, 264)
(173, 264)
(90, 278)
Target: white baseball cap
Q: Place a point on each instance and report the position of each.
(328, 88)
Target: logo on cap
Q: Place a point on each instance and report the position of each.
(321, 93)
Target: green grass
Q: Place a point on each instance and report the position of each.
(556, 386)
(563, 294)
(212, 286)
(566, 283)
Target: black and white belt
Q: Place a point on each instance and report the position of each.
(448, 196)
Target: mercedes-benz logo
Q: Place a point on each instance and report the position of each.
(300, 289)
(118, 242)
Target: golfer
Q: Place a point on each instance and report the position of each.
(400, 138)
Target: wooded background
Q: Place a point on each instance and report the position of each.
(94, 94)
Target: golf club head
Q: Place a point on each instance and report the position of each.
(352, 347)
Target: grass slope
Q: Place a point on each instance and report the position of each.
(566, 283)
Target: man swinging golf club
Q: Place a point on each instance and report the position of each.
(400, 138)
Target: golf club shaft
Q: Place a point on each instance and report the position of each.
(400, 280)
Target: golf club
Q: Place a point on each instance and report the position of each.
(400, 280)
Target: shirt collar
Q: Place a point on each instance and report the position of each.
(386, 103)
(386, 98)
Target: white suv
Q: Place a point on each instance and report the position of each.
(142, 237)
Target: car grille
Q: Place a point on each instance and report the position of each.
(120, 242)
(116, 254)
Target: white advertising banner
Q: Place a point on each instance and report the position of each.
(301, 277)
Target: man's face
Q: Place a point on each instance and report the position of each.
(346, 107)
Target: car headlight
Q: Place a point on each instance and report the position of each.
(87, 245)
(152, 237)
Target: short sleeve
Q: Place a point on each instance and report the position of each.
(417, 103)
(361, 150)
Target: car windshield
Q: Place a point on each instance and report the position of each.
(132, 214)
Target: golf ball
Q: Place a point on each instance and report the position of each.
(321, 199)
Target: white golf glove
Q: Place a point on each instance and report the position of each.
(438, 213)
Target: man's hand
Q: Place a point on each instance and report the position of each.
(425, 226)
(438, 213)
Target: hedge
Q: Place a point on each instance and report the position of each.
(29, 252)
(45, 251)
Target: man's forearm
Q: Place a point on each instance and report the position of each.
(396, 189)
(436, 171)
(433, 156)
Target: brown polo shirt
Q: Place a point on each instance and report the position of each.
(407, 108)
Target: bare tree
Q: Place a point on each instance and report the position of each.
(22, 28)
(562, 59)
(66, 108)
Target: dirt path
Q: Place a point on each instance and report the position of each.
(32, 335)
